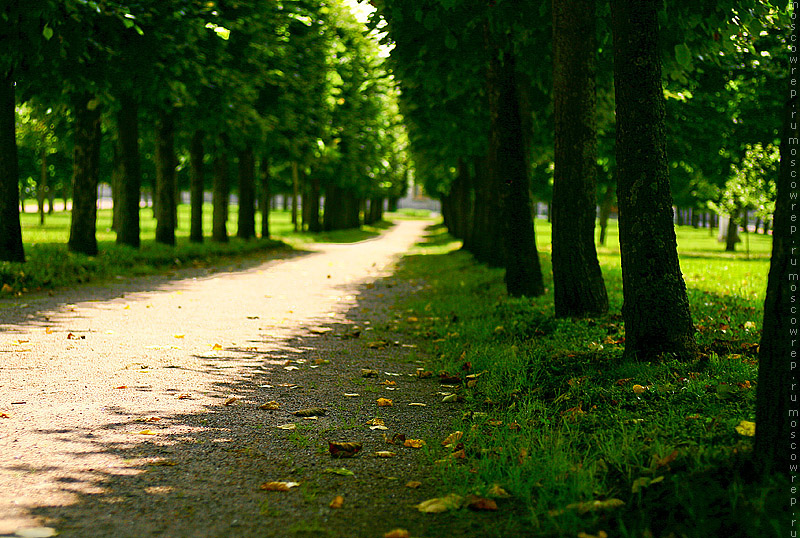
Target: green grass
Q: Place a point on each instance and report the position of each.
(554, 417)
(49, 264)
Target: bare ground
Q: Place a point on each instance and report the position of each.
(121, 423)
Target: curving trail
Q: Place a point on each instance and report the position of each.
(115, 396)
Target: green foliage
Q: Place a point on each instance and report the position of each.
(556, 418)
(752, 186)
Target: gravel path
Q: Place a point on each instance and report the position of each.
(133, 406)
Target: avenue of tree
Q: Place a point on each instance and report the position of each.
(650, 105)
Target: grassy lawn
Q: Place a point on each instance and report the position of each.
(552, 414)
(50, 265)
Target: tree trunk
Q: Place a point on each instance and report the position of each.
(605, 213)
(523, 273)
(486, 222)
(219, 229)
(333, 210)
(578, 285)
(129, 184)
(776, 396)
(41, 187)
(247, 194)
(732, 235)
(314, 224)
(656, 308)
(85, 171)
(11, 249)
(165, 178)
(265, 196)
(295, 194)
(197, 187)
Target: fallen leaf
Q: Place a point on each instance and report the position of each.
(232, 400)
(496, 490)
(7, 289)
(35, 532)
(396, 439)
(351, 394)
(290, 368)
(422, 373)
(643, 482)
(385, 454)
(378, 427)
(337, 502)
(418, 404)
(180, 335)
(397, 533)
(591, 506)
(153, 419)
(746, 428)
(414, 443)
(661, 462)
(146, 432)
(290, 426)
(4, 415)
(341, 471)
(380, 344)
(318, 362)
(272, 405)
(71, 336)
(343, 450)
(600, 534)
(384, 402)
(184, 396)
(216, 347)
(387, 382)
(310, 412)
(441, 504)
(279, 486)
(450, 398)
(481, 504)
(638, 389)
(413, 484)
(122, 387)
(376, 422)
(369, 373)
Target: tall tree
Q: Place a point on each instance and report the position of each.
(130, 174)
(247, 194)
(165, 178)
(655, 308)
(196, 154)
(10, 231)
(778, 354)
(577, 280)
(85, 174)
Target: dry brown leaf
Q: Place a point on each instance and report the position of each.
(272, 405)
(396, 439)
(387, 382)
(184, 396)
(397, 533)
(153, 419)
(414, 443)
(279, 486)
(413, 484)
(122, 387)
(232, 400)
(385, 454)
(422, 373)
(343, 450)
(337, 502)
(384, 402)
(4, 415)
(481, 504)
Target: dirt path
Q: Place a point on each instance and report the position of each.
(116, 400)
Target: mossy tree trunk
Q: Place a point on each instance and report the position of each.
(85, 171)
(776, 396)
(578, 284)
(655, 308)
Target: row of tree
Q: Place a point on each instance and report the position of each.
(291, 89)
(505, 100)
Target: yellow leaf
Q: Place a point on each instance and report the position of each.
(638, 389)
(146, 432)
(746, 428)
(287, 427)
(600, 534)
(385, 454)
(337, 502)
(454, 437)
(180, 335)
(376, 422)
(441, 504)
(497, 491)
(232, 400)
(397, 533)
(414, 443)
(384, 402)
(6, 288)
(270, 406)
(279, 486)
(413, 484)
(48, 330)
(216, 347)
